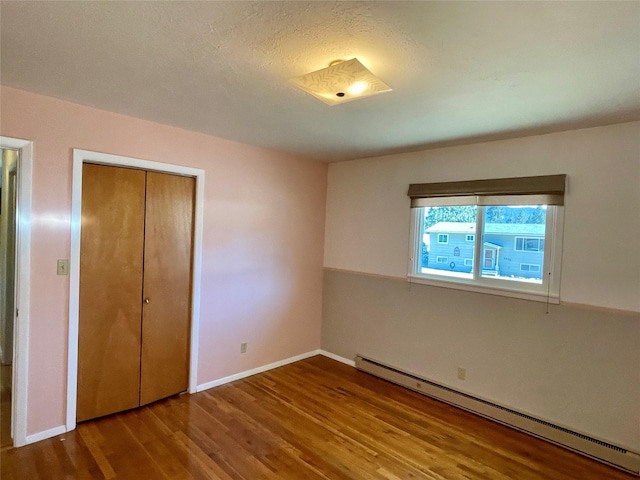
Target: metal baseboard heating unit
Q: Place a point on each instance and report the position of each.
(602, 451)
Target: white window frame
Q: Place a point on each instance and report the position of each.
(547, 291)
(446, 235)
(470, 238)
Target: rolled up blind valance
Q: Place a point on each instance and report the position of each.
(541, 190)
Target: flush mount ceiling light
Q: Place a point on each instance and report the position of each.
(341, 82)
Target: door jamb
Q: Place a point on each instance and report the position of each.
(19, 391)
(85, 156)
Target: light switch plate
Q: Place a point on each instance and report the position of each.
(63, 266)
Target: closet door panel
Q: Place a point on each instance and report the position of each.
(111, 253)
(167, 286)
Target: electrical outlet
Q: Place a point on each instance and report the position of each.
(462, 373)
(63, 267)
(243, 347)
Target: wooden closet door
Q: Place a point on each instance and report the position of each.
(111, 253)
(167, 286)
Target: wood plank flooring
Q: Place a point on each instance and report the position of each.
(5, 405)
(314, 419)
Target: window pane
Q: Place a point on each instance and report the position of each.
(531, 244)
(446, 249)
(513, 243)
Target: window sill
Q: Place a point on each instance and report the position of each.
(504, 292)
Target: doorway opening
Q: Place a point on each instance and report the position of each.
(8, 230)
(15, 242)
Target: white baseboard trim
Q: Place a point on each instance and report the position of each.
(253, 371)
(338, 358)
(52, 432)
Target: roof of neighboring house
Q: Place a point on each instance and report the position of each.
(495, 228)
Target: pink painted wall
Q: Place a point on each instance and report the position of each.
(262, 242)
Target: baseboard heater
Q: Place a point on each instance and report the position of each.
(602, 451)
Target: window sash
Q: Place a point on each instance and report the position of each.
(547, 291)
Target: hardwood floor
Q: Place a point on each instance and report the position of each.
(5, 405)
(314, 419)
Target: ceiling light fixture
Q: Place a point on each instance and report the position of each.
(341, 82)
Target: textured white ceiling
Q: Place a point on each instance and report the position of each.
(460, 71)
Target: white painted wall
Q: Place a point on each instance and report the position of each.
(368, 215)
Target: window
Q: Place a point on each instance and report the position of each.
(529, 267)
(529, 244)
(509, 240)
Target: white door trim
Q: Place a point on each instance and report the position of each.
(84, 156)
(23, 256)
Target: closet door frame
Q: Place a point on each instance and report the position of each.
(80, 157)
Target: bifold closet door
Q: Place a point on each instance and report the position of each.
(167, 286)
(135, 288)
(111, 261)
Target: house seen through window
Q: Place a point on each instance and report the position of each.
(512, 242)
